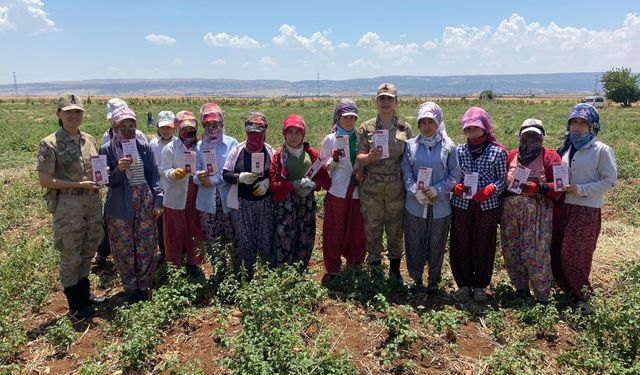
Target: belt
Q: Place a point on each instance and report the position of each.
(78, 191)
(379, 177)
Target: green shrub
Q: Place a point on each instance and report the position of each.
(61, 335)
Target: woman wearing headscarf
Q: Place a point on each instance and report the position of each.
(343, 225)
(134, 200)
(292, 189)
(212, 192)
(427, 205)
(527, 216)
(475, 217)
(249, 197)
(181, 222)
(165, 135)
(592, 172)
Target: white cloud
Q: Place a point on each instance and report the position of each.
(26, 16)
(289, 38)
(246, 64)
(225, 40)
(385, 49)
(343, 45)
(517, 46)
(430, 45)
(268, 60)
(160, 39)
(218, 62)
(178, 62)
(361, 63)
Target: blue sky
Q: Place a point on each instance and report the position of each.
(46, 40)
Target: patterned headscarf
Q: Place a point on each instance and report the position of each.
(295, 121)
(117, 116)
(587, 112)
(184, 119)
(211, 137)
(255, 139)
(476, 116)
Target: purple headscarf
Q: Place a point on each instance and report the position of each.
(345, 106)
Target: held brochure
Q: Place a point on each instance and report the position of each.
(190, 162)
(257, 163)
(520, 176)
(381, 142)
(99, 169)
(424, 178)
(315, 167)
(130, 150)
(560, 176)
(342, 147)
(470, 184)
(210, 163)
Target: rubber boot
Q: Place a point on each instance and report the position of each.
(394, 270)
(77, 307)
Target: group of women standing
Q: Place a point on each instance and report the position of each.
(383, 184)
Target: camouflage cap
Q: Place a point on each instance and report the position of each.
(69, 101)
(387, 89)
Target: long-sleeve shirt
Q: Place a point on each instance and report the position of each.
(443, 160)
(593, 171)
(206, 198)
(157, 144)
(492, 169)
(341, 171)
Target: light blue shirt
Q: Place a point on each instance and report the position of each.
(443, 160)
(206, 198)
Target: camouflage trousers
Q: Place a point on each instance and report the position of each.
(77, 232)
(382, 205)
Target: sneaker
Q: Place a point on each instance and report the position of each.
(479, 295)
(462, 294)
(416, 287)
(99, 261)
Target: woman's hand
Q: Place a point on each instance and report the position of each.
(124, 164)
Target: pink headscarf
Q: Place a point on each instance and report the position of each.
(120, 114)
(295, 121)
(476, 116)
(211, 137)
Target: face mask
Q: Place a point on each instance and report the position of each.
(255, 141)
(127, 133)
(579, 140)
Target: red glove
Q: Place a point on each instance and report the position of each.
(485, 193)
(458, 189)
(530, 188)
(335, 156)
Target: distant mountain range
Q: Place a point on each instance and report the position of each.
(504, 84)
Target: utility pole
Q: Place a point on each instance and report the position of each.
(15, 84)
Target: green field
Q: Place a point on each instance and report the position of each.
(283, 322)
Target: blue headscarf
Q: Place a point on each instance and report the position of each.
(587, 112)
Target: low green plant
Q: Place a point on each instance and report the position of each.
(396, 351)
(446, 321)
(61, 335)
(518, 357)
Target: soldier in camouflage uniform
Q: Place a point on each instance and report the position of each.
(382, 192)
(64, 168)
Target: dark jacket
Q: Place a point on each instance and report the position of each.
(118, 203)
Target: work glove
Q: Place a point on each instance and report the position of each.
(179, 173)
(421, 197)
(484, 194)
(531, 188)
(431, 193)
(261, 188)
(458, 189)
(247, 178)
